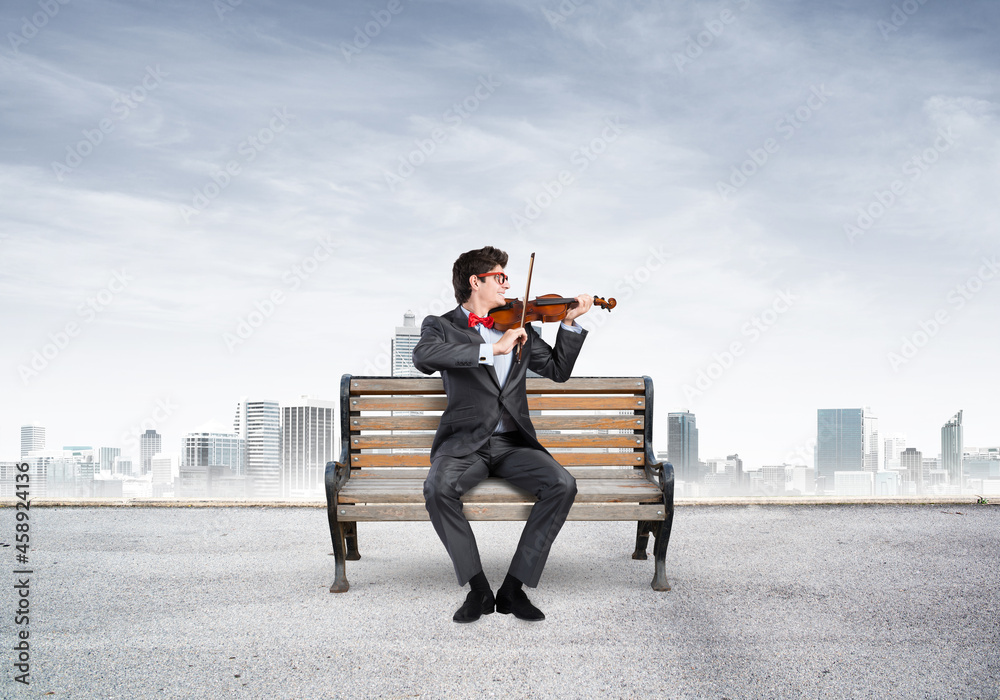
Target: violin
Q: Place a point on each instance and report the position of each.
(547, 308)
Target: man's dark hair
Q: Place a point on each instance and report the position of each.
(475, 262)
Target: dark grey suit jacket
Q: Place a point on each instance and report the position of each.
(475, 399)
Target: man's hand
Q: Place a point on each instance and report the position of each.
(583, 304)
(511, 337)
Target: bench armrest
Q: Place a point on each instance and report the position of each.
(337, 474)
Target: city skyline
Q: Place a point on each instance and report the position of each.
(791, 203)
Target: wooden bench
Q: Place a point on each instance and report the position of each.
(599, 428)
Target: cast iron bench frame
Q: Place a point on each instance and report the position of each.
(606, 442)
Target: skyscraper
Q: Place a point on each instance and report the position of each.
(952, 443)
(869, 430)
(106, 458)
(307, 444)
(912, 461)
(840, 444)
(682, 445)
(894, 447)
(32, 438)
(259, 423)
(403, 343)
(149, 445)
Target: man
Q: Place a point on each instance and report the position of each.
(485, 429)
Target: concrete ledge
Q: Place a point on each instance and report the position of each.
(681, 502)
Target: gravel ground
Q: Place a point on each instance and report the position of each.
(767, 602)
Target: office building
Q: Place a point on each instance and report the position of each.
(149, 445)
(952, 450)
(32, 438)
(165, 467)
(259, 424)
(869, 430)
(846, 441)
(911, 463)
(403, 343)
(214, 449)
(106, 458)
(682, 446)
(853, 483)
(892, 448)
(307, 444)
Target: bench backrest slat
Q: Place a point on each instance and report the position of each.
(594, 424)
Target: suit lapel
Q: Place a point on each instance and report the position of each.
(458, 319)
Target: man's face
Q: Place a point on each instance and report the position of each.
(490, 290)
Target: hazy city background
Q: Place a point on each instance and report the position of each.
(277, 451)
(794, 205)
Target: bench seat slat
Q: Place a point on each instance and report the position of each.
(421, 473)
(501, 511)
(599, 459)
(399, 423)
(551, 441)
(497, 491)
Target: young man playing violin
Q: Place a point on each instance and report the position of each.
(486, 431)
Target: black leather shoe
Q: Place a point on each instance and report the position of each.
(475, 606)
(517, 602)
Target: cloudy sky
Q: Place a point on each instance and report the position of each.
(794, 203)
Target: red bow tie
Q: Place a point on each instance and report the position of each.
(474, 320)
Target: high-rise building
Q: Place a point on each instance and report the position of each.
(32, 438)
(106, 458)
(307, 444)
(149, 445)
(911, 462)
(682, 446)
(214, 449)
(403, 343)
(951, 449)
(259, 423)
(869, 430)
(892, 448)
(847, 441)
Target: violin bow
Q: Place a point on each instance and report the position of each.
(524, 307)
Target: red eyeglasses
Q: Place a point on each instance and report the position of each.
(500, 277)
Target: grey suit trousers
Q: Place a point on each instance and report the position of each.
(506, 456)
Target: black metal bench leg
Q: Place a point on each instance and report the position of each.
(351, 537)
(642, 530)
(340, 584)
(660, 553)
